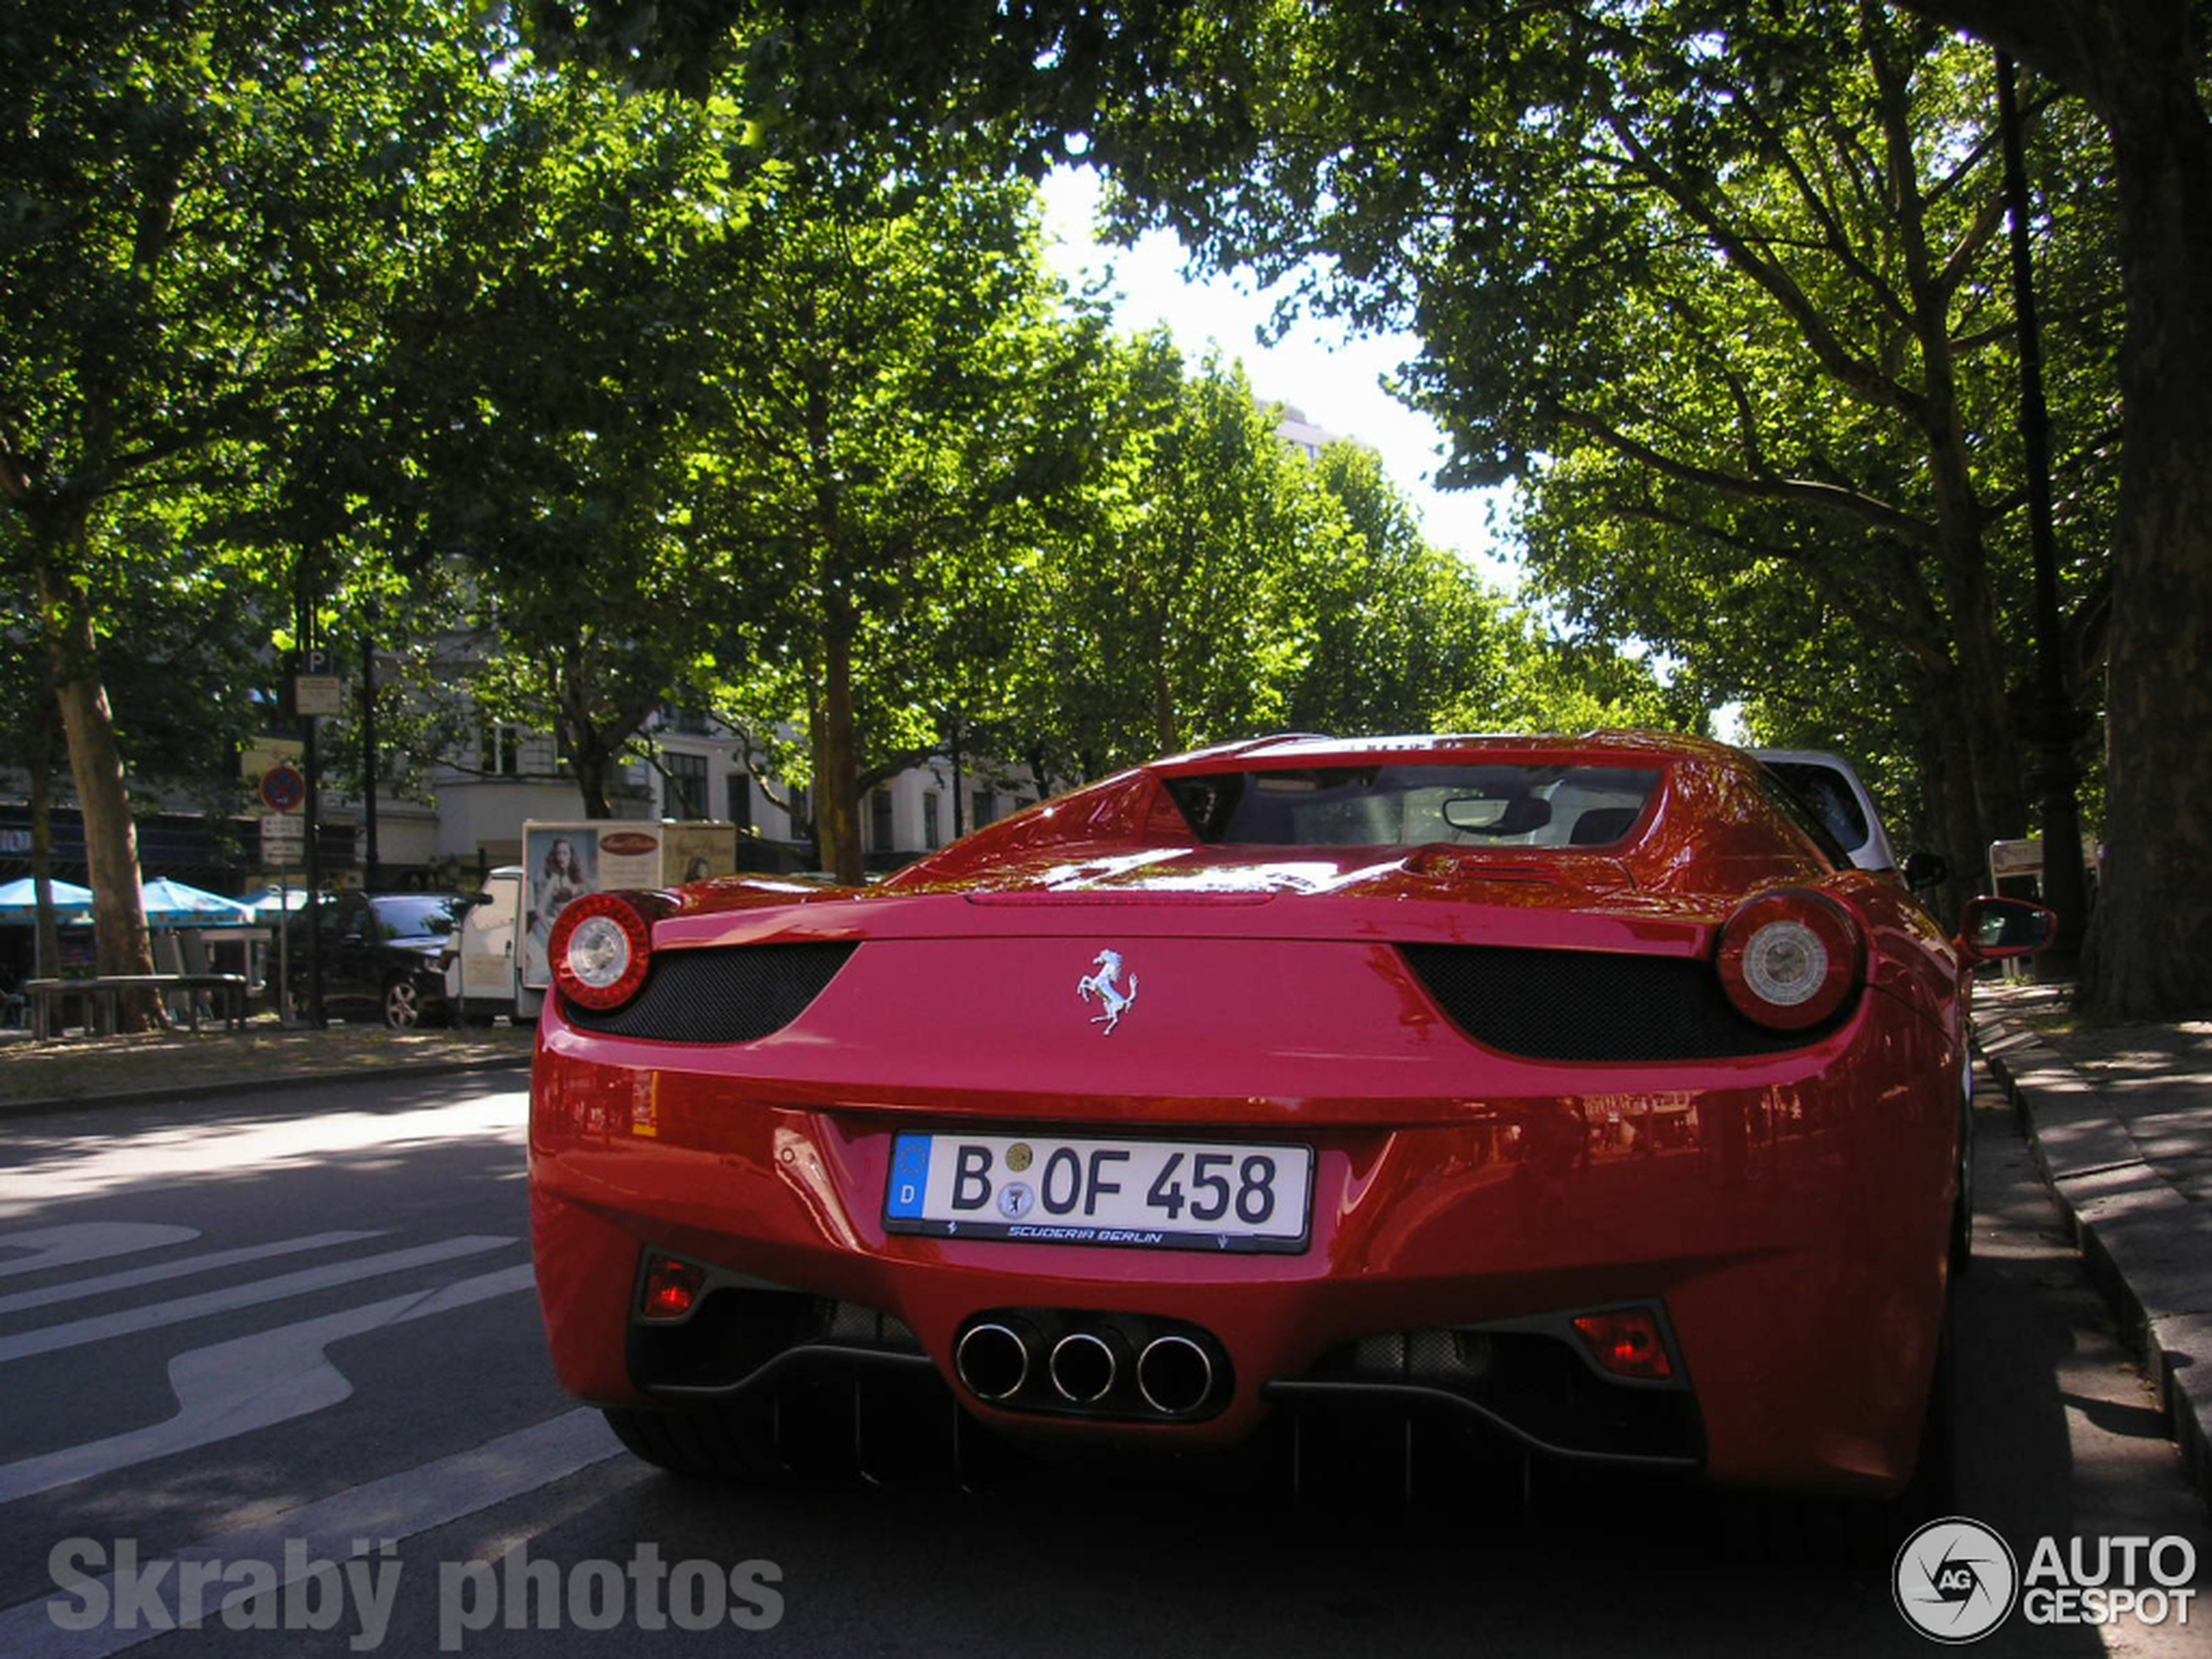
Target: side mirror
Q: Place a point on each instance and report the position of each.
(1994, 928)
(1925, 870)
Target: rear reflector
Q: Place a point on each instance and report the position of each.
(672, 1287)
(1627, 1343)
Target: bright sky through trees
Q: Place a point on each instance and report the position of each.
(1334, 379)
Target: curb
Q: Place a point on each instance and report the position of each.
(2143, 1243)
(269, 1085)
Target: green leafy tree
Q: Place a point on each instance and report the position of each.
(882, 368)
(1241, 111)
(1396, 632)
(546, 388)
(1162, 613)
(202, 197)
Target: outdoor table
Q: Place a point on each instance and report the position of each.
(102, 993)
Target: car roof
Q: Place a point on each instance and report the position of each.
(1303, 749)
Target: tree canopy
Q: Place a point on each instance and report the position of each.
(1416, 149)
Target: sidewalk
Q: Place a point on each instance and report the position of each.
(80, 1072)
(2120, 1119)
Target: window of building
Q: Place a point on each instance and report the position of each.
(684, 794)
(691, 722)
(879, 834)
(499, 752)
(741, 800)
(983, 808)
(802, 810)
(930, 838)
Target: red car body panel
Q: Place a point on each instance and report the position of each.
(1789, 1210)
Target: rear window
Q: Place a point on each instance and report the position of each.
(1403, 805)
(407, 916)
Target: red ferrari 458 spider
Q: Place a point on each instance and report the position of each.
(1579, 1090)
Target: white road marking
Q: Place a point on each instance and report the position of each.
(49, 1338)
(131, 1277)
(86, 1241)
(348, 1523)
(232, 1388)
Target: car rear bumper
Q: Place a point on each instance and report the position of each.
(1790, 1228)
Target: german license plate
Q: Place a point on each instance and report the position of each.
(1156, 1195)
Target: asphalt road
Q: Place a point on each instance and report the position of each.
(248, 1337)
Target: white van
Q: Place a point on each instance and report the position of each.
(483, 979)
(1831, 786)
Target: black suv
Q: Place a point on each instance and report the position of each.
(381, 956)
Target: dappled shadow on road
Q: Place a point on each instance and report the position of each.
(354, 1126)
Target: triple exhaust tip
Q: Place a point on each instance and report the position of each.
(1175, 1374)
(993, 1359)
(1084, 1367)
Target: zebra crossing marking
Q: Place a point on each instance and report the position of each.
(350, 1523)
(52, 1338)
(232, 1388)
(182, 1267)
(86, 1241)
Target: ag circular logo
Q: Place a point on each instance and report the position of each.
(1015, 1199)
(1955, 1581)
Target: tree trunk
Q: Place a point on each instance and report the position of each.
(2150, 943)
(1965, 845)
(952, 746)
(40, 766)
(96, 766)
(590, 759)
(592, 766)
(837, 808)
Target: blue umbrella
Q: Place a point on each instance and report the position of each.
(19, 905)
(19, 902)
(173, 904)
(271, 902)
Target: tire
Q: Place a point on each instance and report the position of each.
(405, 1007)
(732, 1445)
(1866, 1533)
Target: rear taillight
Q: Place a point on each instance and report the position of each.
(1790, 959)
(1627, 1343)
(599, 950)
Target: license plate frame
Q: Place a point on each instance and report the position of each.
(920, 1188)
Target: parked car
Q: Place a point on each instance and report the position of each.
(1578, 1093)
(382, 955)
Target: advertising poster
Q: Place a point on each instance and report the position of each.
(697, 851)
(562, 865)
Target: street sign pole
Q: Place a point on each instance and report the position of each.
(314, 884)
(283, 847)
(284, 945)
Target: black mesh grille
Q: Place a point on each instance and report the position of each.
(721, 993)
(1593, 1005)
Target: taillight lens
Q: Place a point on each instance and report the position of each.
(672, 1287)
(1792, 959)
(599, 948)
(1627, 1343)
